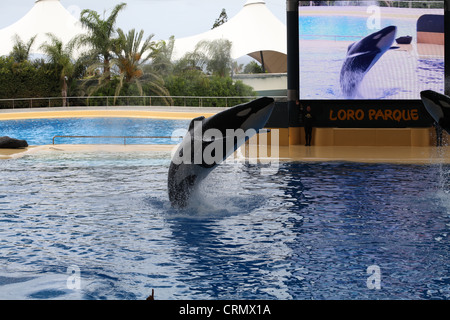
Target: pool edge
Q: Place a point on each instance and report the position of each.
(104, 113)
(391, 155)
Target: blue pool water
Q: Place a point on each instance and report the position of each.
(309, 231)
(42, 131)
(348, 28)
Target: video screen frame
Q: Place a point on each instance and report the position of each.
(325, 107)
(369, 52)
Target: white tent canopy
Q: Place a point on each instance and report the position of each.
(254, 31)
(46, 16)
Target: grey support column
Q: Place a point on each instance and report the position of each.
(447, 46)
(293, 61)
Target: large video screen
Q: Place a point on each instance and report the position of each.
(370, 50)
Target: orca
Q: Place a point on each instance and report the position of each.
(216, 137)
(438, 106)
(11, 143)
(361, 56)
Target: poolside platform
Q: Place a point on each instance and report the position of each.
(91, 148)
(423, 153)
(367, 154)
(171, 113)
(394, 155)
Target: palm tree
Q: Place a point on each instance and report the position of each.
(61, 57)
(21, 49)
(162, 57)
(100, 40)
(132, 52)
(194, 60)
(236, 68)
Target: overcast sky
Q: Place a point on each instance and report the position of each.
(163, 18)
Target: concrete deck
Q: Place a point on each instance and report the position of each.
(396, 155)
(366, 154)
(172, 113)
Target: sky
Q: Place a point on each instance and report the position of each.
(163, 18)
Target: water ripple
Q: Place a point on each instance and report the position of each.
(310, 232)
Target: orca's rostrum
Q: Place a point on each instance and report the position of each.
(209, 141)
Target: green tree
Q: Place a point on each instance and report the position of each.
(27, 79)
(191, 61)
(21, 49)
(61, 57)
(223, 17)
(161, 62)
(195, 83)
(217, 54)
(253, 67)
(100, 40)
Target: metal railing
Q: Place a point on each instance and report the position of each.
(111, 101)
(116, 137)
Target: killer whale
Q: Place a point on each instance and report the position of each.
(361, 56)
(11, 143)
(438, 106)
(189, 166)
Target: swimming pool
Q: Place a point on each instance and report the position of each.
(42, 131)
(347, 28)
(309, 232)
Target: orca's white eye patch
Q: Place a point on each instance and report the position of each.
(245, 112)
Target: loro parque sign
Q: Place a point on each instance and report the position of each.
(374, 115)
(369, 114)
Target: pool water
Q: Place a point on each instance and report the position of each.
(42, 131)
(348, 28)
(309, 231)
